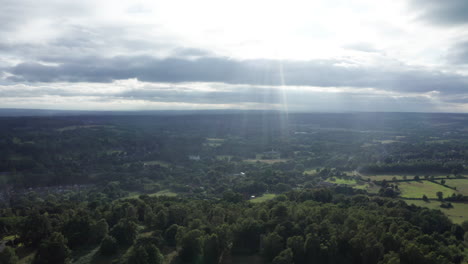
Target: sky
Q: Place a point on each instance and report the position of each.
(296, 55)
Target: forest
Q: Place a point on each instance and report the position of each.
(234, 187)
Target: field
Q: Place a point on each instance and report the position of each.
(165, 193)
(460, 184)
(342, 181)
(224, 157)
(214, 142)
(386, 141)
(134, 195)
(457, 214)
(390, 177)
(263, 198)
(311, 171)
(156, 162)
(418, 189)
(267, 161)
(387, 177)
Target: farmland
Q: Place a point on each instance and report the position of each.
(457, 214)
(418, 189)
(460, 184)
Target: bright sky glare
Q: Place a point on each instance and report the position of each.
(337, 55)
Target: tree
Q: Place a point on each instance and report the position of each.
(440, 195)
(100, 230)
(232, 197)
(160, 220)
(108, 246)
(272, 244)
(312, 248)
(390, 258)
(191, 245)
(296, 244)
(247, 235)
(77, 231)
(425, 198)
(8, 256)
(35, 228)
(170, 235)
(280, 211)
(53, 250)
(211, 249)
(124, 232)
(284, 257)
(464, 225)
(145, 254)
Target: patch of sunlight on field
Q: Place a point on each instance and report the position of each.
(136, 195)
(267, 161)
(457, 214)
(156, 162)
(387, 177)
(263, 198)
(342, 181)
(440, 141)
(312, 171)
(418, 189)
(460, 184)
(386, 141)
(352, 173)
(214, 142)
(11, 237)
(165, 193)
(362, 187)
(224, 157)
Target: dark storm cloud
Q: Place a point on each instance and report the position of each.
(442, 12)
(323, 73)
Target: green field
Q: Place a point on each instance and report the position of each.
(267, 161)
(263, 198)
(386, 141)
(312, 171)
(387, 177)
(457, 214)
(214, 142)
(156, 162)
(342, 181)
(135, 195)
(460, 184)
(418, 189)
(224, 157)
(165, 193)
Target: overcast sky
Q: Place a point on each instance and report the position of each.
(329, 55)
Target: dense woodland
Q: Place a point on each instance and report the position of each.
(90, 188)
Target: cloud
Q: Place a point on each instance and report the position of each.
(133, 94)
(374, 55)
(458, 53)
(446, 13)
(322, 73)
(362, 46)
